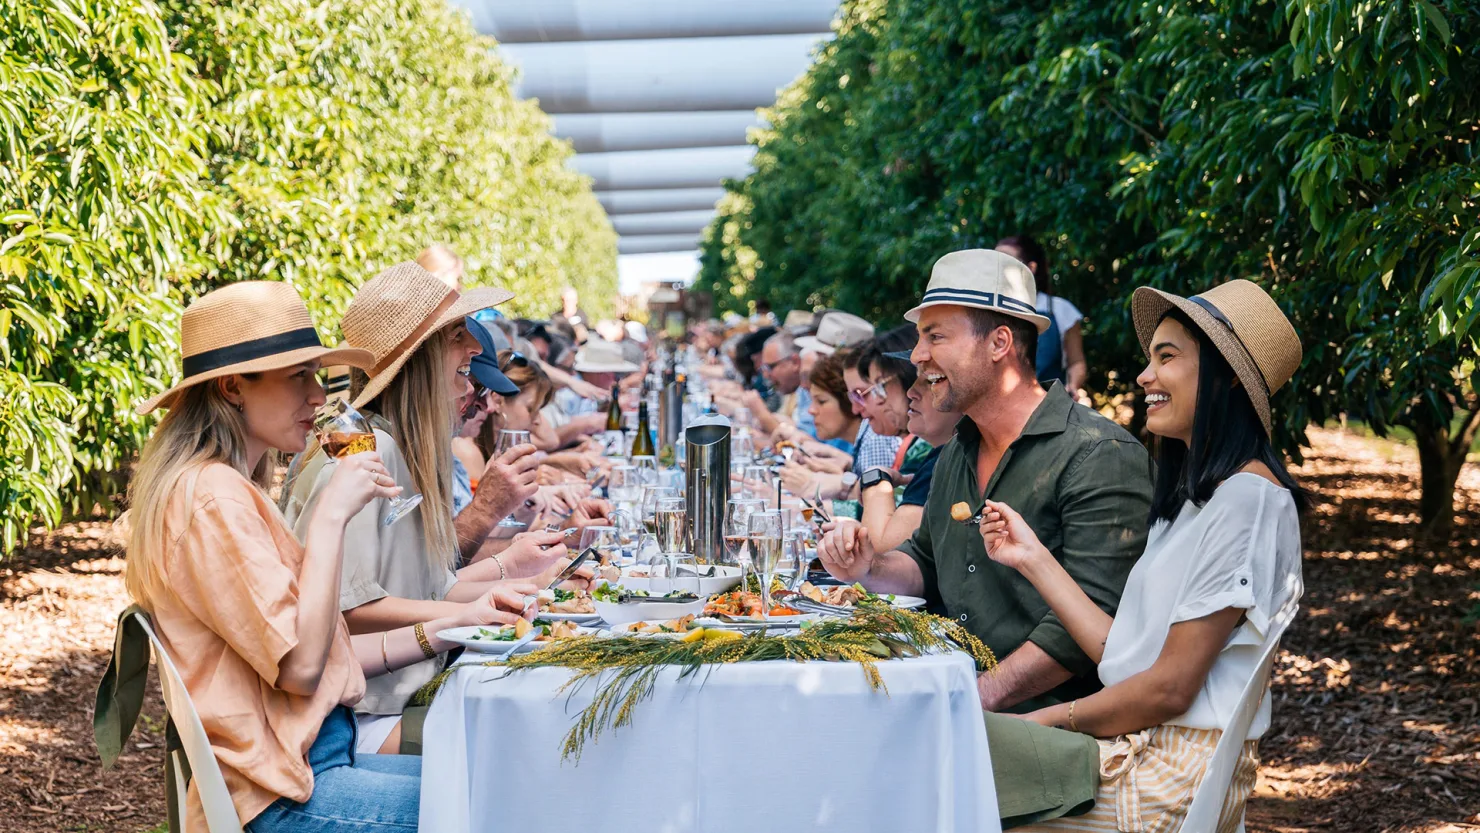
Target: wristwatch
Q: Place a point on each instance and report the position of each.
(849, 478)
(874, 477)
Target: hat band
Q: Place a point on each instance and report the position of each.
(977, 298)
(421, 329)
(246, 351)
(1218, 316)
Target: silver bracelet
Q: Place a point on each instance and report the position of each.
(500, 562)
(384, 659)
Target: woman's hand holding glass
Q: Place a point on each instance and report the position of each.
(357, 480)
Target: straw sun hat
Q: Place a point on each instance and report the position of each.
(248, 327)
(396, 311)
(1243, 322)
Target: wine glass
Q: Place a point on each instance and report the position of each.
(623, 487)
(651, 494)
(507, 439)
(671, 515)
(737, 528)
(765, 550)
(343, 431)
(758, 484)
(647, 469)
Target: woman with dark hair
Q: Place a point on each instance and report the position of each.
(1222, 559)
(1061, 348)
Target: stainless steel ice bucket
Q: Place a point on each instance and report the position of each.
(707, 464)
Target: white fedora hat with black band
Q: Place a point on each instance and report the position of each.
(984, 279)
(249, 327)
(1243, 322)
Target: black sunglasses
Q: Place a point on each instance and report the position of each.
(514, 359)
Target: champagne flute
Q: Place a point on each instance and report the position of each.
(343, 431)
(672, 524)
(507, 439)
(650, 496)
(765, 550)
(737, 529)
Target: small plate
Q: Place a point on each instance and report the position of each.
(468, 638)
(906, 602)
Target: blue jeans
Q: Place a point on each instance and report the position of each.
(366, 793)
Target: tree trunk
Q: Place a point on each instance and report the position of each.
(1441, 455)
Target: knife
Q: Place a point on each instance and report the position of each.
(571, 569)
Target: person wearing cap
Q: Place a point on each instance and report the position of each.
(835, 331)
(1222, 560)
(1081, 481)
(248, 614)
(415, 327)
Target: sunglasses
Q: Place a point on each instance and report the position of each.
(877, 392)
(514, 359)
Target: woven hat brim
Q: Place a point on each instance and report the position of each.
(326, 356)
(468, 303)
(1039, 321)
(1148, 305)
(815, 345)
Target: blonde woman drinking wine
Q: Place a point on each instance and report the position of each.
(249, 614)
(1222, 558)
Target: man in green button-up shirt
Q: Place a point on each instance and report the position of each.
(1081, 481)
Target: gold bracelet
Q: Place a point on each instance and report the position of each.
(502, 573)
(421, 639)
(385, 661)
(1072, 724)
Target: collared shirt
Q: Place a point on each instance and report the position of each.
(227, 613)
(872, 449)
(1083, 484)
(462, 487)
(573, 404)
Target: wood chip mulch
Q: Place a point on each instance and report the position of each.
(1377, 699)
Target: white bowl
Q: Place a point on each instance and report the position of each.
(621, 614)
(725, 578)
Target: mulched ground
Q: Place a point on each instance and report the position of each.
(1377, 699)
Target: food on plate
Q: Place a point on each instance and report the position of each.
(508, 633)
(844, 595)
(712, 635)
(961, 511)
(743, 603)
(566, 601)
(678, 625)
(613, 593)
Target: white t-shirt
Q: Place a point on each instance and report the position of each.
(1242, 549)
(1065, 314)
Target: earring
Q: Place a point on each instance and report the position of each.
(238, 406)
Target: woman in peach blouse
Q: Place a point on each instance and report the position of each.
(248, 613)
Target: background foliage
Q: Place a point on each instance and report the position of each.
(153, 151)
(1326, 148)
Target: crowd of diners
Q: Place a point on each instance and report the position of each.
(1124, 583)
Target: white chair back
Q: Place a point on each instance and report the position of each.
(219, 810)
(1207, 803)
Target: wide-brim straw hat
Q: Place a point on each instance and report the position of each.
(249, 327)
(985, 279)
(600, 356)
(1243, 322)
(395, 312)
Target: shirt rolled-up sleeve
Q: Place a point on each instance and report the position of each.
(1104, 501)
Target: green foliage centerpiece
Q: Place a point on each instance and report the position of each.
(626, 668)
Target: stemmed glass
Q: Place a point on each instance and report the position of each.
(507, 439)
(343, 431)
(765, 551)
(758, 483)
(671, 516)
(623, 487)
(647, 469)
(737, 530)
(651, 494)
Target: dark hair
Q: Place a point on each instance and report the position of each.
(897, 340)
(1032, 253)
(828, 375)
(746, 350)
(762, 306)
(560, 348)
(1226, 436)
(1024, 333)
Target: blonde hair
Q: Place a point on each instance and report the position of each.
(418, 406)
(444, 263)
(201, 428)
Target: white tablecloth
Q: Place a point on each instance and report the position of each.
(704, 754)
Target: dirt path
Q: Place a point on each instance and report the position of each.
(1377, 703)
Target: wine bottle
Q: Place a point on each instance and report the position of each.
(642, 444)
(614, 412)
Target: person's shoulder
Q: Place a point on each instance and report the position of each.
(1093, 428)
(1253, 483)
(218, 481)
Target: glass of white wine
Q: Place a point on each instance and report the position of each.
(671, 516)
(765, 551)
(343, 431)
(507, 439)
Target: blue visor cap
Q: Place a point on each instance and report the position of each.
(902, 355)
(484, 367)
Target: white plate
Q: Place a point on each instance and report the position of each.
(724, 579)
(578, 618)
(711, 622)
(621, 614)
(906, 602)
(466, 638)
(625, 630)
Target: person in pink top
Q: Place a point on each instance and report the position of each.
(249, 614)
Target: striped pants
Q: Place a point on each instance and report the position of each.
(1147, 781)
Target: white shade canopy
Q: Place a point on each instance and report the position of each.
(656, 96)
